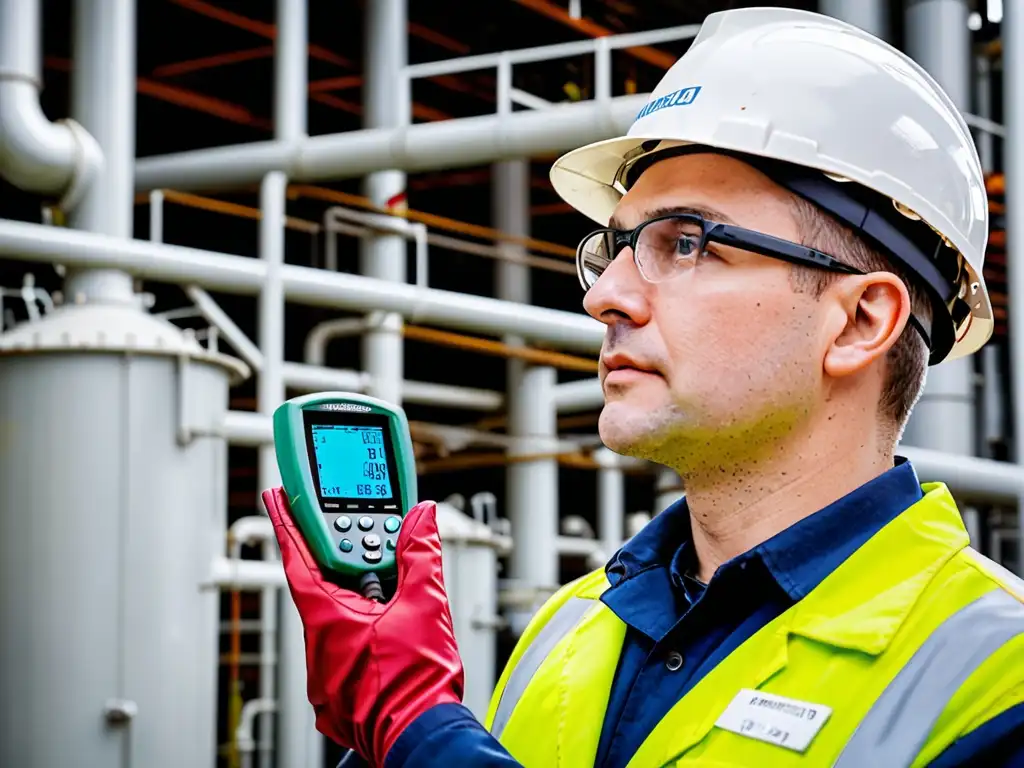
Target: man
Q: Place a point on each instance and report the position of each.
(796, 227)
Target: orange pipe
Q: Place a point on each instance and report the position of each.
(489, 347)
(233, 209)
(431, 220)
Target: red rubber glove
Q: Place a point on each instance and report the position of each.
(373, 668)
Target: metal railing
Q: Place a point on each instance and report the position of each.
(600, 48)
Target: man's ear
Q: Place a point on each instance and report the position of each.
(876, 307)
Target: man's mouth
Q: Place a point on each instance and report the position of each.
(620, 367)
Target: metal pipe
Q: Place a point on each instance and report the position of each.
(296, 745)
(315, 347)
(611, 501)
(968, 477)
(257, 529)
(252, 529)
(246, 428)
(271, 389)
(61, 158)
(387, 104)
(229, 573)
(667, 489)
(313, 378)
(156, 215)
(243, 735)
(870, 15)
(994, 413)
(985, 140)
(577, 546)
(429, 146)
(1013, 110)
(533, 485)
(270, 393)
(582, 395)
(220, 319)
(938, 39)
(481, 314)
(268, 650)
(103, 100)
(315, 287)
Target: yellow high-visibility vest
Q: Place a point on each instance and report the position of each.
(914, 641)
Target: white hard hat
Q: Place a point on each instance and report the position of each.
(818, 104)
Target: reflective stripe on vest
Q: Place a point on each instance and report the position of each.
(561, 624)
(898, 724)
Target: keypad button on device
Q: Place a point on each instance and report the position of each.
(343, 523)
(392, 524)
(365, 522)
(372, 556)
(371, 541)
(345, 545)
(390, 544)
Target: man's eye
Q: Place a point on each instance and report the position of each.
(686, 245)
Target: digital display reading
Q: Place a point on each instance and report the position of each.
(351, 461)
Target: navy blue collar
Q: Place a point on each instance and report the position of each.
(651, 588)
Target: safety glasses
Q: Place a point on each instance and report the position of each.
(667, 246)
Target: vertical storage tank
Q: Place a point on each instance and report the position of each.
(111, 512)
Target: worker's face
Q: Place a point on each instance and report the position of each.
(713, 365)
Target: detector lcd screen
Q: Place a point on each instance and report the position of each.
(352, 458)
(351, 462)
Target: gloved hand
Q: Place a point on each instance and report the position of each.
(373, 668)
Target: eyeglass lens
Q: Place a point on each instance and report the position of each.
(664, 249)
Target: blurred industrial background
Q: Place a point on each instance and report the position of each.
(209, 206)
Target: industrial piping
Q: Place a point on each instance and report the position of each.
(60, 159)
(445, 144)
(314, 287)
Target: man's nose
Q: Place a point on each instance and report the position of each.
(620, 292)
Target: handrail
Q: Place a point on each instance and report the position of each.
(430, 219)
(214, 205)
(227, 208)
(550, 52)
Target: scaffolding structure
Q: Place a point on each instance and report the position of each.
(87, 167)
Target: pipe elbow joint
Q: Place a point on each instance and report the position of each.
(59, 159)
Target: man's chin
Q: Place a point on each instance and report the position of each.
(629, 430)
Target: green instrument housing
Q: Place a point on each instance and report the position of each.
(347, 467)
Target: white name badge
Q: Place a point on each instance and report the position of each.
(776, 719)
